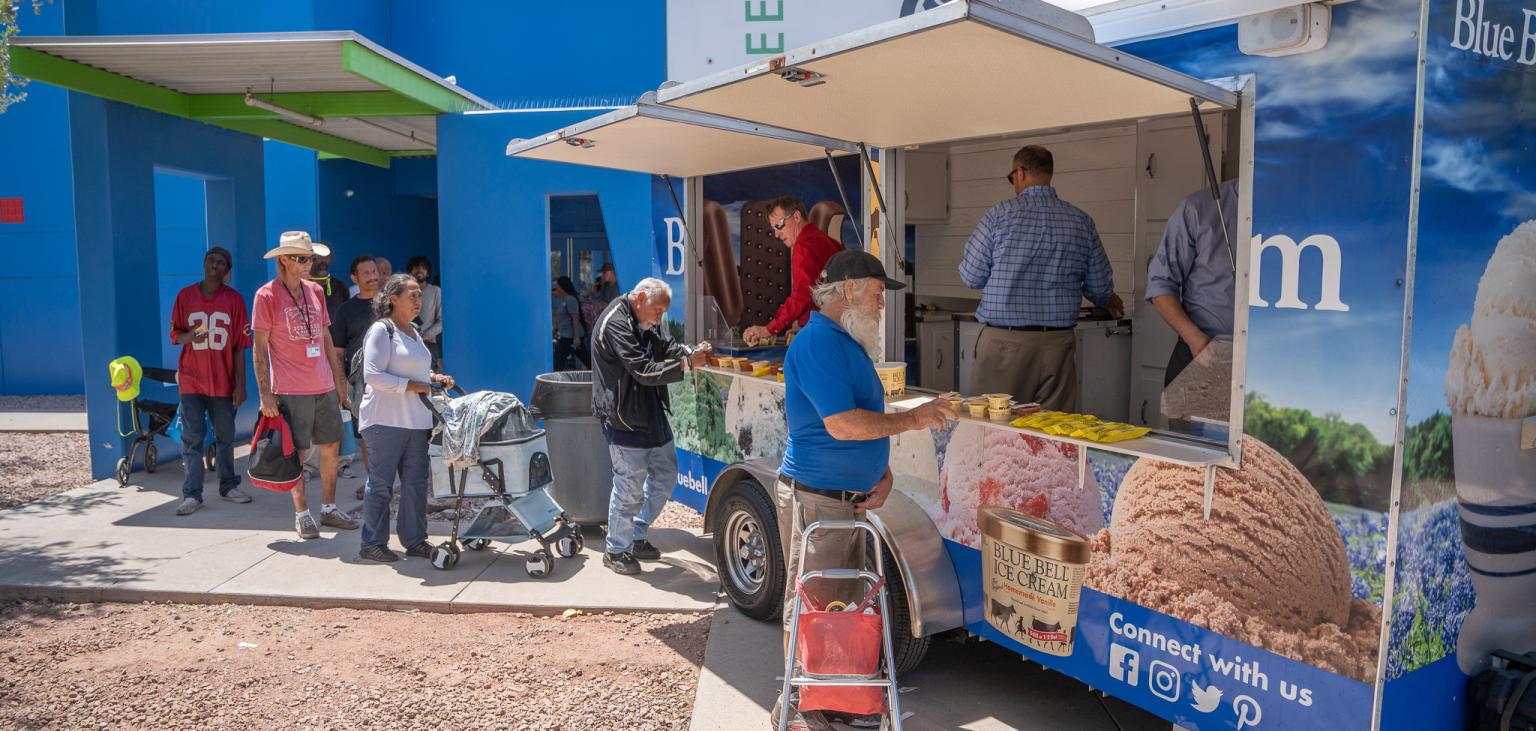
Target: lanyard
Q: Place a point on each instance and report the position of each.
(309, 332)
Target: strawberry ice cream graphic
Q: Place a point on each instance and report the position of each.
(987, 466)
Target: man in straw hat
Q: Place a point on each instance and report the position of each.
(298, 372)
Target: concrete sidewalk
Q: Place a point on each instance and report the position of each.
(105, 542)
(961, 685)
(43, 421)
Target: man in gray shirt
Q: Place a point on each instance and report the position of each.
(1190, 278)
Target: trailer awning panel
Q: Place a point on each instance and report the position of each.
(968, 69)
(646, 138)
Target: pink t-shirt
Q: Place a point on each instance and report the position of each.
(295, 337)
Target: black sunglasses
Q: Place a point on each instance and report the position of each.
(299, 259)
(780, 225)
(1011, 173)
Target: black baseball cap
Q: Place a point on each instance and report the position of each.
(850, 264)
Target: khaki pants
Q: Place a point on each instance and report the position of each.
(1033, 366)
(832, 549)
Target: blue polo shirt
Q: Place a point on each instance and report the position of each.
(826, 373)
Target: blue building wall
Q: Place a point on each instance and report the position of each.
(181, 241)
(494, 228)
(40, 322)
(373, 219)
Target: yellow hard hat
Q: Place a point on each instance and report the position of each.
(126, 374)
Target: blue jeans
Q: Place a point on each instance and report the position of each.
(395, 451)
(642, 483)
(221, 410)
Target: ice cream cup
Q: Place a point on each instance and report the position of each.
(1495, 490)
(977, 407)
(1032, 576)
(1000, 415)
(999, 400)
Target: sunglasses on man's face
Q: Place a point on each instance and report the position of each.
(300, 259)
(780, 225)
(1011, 173)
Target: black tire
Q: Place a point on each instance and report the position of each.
(908, 650)
(476, 544)
(539, 564)
(151, 458)
(210, 457)
(756, 584)
(123, 469)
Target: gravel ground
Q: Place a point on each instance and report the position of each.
(677, 515)
(239, 667)
(42, 403)
(39, 464)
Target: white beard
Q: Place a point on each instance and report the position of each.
(865, 329)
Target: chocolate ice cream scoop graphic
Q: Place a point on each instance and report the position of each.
(1491, 388)
(1269, 568)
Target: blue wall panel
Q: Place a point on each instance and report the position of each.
(368, 17)
(373, 219)
(39, 323)
(494, 229)
(117, 149)
(130, 17)
(181, 241)
(290, 191)
(509, 52)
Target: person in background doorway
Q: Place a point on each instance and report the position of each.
(348, 328)
(299, 373)
(809, 250)
(431, 317)
(568, 331)
(837, 458)
(1034, 257)
(633, 360)
(396, 369)
(384, 268)
(208, 321)
(606, 288)
(1190, 278)
(335, 292)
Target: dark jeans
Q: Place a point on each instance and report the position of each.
(220, 410)
(567, 347)
(395, 451)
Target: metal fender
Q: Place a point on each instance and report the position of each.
(933, 589)
(764, 471)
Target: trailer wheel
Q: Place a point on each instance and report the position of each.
(909, 650)
(747, 550)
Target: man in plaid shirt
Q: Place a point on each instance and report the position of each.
(1034, 257)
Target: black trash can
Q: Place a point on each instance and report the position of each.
(578, 453)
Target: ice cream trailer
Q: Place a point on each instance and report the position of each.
(1340, 534)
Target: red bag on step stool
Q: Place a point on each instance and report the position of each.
(274, 462)
(846, 643)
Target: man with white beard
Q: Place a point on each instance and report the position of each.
(837, 460)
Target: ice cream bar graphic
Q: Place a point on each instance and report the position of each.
(1491, 388)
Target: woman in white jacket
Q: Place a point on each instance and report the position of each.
(397, 370)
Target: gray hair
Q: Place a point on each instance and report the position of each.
(393, 287)
(824, 294)
(652, 288)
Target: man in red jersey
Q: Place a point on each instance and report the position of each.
(299, 372)
(809, 250)
(208, 322)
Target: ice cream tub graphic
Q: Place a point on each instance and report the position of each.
(1032, 574)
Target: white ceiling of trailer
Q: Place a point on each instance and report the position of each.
(896, 92)
(664, 147)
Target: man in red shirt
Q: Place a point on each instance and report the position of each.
(809, 250)
(299, 372)
(208, 322)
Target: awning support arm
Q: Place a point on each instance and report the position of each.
(1211, 182)
(687, 240)
(843, 194)
(874, 182)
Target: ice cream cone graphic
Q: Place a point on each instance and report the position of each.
(1491, 388)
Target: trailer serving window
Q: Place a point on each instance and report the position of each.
(1010, 68)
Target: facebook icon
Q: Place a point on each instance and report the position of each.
(1124, 664)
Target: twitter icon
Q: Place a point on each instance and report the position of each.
(1205, 699)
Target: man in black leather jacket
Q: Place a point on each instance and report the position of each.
(633, 360)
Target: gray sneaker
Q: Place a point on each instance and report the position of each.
(189, 506)
(236, 496)
(337, 519)
(305, 525)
